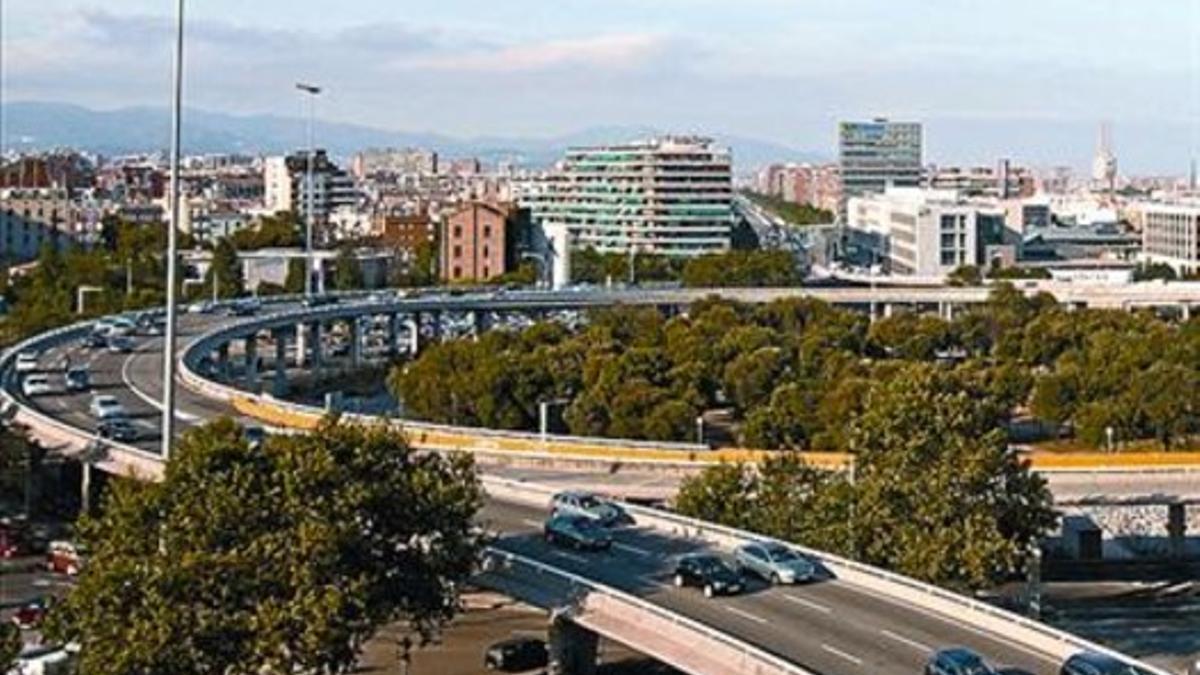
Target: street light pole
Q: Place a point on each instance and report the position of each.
(312, 92)
(168, 411)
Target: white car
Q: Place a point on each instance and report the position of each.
(590, 506)
(27, 362)
(36, 385)
(107, 408)
(774, 562)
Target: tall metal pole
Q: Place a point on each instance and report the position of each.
(312, 91)
(168, 407)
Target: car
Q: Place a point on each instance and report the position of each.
(94, 340)
(36, 385)
(591, 506)
(319, 301)
(708, 572)
(107, 407)
(203, 307)
(27, 362)
(120, 344)
(78, 379)
(118, 429)
(516, 655)
(151, 326)
(774, 562)
(578, 532)
(957, 661)
(1094, 663)
(245, 307)
(31, 615)
(11, 542)
(64, 557)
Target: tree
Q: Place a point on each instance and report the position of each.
(294, 282)
(966, 275)
(1154, 272)
(719, 494)
(347, 275)
(10, 646)
(283, 557)
(937, 494)
(281, 230)
(229, 277)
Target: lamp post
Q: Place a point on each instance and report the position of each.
(168, 409)
(311, 92)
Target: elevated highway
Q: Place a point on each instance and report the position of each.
(855, 620)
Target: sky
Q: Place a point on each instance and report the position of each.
(1027, 79)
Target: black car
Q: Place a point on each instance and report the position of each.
(708, 572)
(516, 655)
(118, 430)
(957, 661)
(320, 301)
(1092, 663)
(78, 379)
(577, 532)
(95, 340)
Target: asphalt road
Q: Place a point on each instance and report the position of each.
(828, 626)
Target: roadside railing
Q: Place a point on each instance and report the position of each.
(701, 641)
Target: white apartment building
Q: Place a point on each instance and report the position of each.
(1171, 234)
(926, 233)
(285, 184)
(670, 196)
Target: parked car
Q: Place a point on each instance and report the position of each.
(120, 344)
(774, 562)
(36, 385)
(707, 572)
(27, 362)
(957, 661)
(107, 407)
(517, 655)
(78, 379)
(591, 506)
(577, 532)
(64, 557)
(1093, 663)
(118, 429)
(30, 615)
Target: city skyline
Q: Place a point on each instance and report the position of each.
(1032, 83)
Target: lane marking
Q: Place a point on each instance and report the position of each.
(808, 603)
(837, 652)
(150, 400)
(632, 549)
(919, 646)
(747, 615)
(571, 556)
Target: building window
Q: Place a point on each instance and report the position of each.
(457, 272)
(487, 272)
(457, 231)
(457, 252)
(487, 232)
(487, 252)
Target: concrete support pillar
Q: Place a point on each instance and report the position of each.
(435, 320)
(394, 326)
(414, 337)
(315, 346)
(1177, 530)
(279, 385)
(1186, 312)
(355, 342)
(223, 361)
(888, 310)
(85, 489)
(573, 648)
(252, 363)
(946, 311)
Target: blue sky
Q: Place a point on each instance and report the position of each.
(1025, 78)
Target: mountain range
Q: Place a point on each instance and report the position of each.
(36, 125)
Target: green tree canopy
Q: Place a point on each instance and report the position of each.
(10, 646)
(348, 274)
(284, 557)
(230, 279)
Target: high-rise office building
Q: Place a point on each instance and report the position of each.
(285, 181)
(876, 155)
(670, 196)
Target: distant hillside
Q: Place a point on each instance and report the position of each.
(37, 125)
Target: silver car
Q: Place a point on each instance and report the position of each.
(775, 563)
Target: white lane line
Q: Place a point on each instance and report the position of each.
(632, 549)
(808, 603)
(837, 652)
(747, 615)
(150, 400)
(919, 646)
(572, 557)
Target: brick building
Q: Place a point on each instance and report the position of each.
(477, 241)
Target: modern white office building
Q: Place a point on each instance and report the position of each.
(879, 154)
(1171, 234)
(925, 233)
(670, 196)
(285, 186)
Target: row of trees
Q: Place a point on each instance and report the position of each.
(795, 374)
(735, 268)
(934, 493)
(281, 557)
(794, 214)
